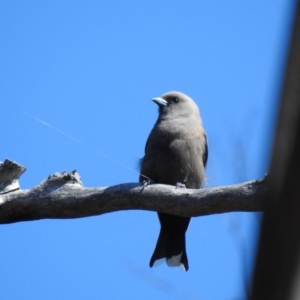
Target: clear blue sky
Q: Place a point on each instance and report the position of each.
(90, 68)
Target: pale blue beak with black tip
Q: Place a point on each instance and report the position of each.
(160, 101)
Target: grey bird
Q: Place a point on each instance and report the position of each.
(176, 153)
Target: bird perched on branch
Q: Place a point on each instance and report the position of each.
(176, 153)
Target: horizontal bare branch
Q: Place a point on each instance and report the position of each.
(62, 196)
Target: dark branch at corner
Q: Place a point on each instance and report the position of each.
(62, 196)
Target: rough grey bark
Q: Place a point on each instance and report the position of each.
(10, 173)
(62, 196)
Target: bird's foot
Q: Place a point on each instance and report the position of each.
(180, 185)
(147, 182)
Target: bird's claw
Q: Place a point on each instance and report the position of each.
(180, 185)
(146, 182)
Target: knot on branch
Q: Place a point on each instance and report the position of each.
(72, 177)
(10, 173)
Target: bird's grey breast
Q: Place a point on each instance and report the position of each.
(175, 150)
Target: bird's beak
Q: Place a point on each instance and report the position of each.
(160, 101)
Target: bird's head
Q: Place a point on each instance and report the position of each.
(176, 104)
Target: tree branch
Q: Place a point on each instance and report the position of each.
(9, 176)
(62, 196)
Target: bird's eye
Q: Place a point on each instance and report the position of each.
(175, 100)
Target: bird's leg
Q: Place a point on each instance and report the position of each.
(147, 182)
(182, 185)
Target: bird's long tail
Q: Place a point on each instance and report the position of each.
(171, 241)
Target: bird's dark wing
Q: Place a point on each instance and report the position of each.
(205, 154)
(146, 165)
(146, 144)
